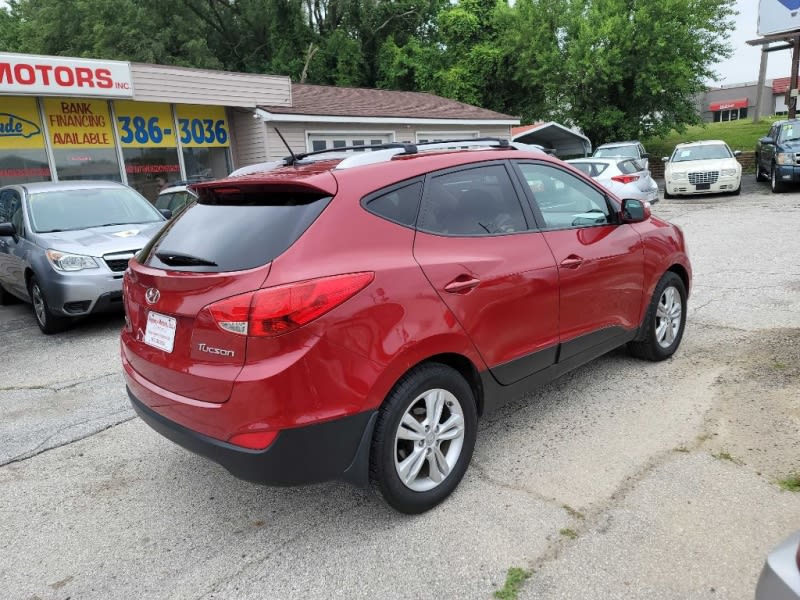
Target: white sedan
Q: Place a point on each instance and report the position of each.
(706, 167)
(625, 177)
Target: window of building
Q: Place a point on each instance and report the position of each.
(327, 141)
(424, 137)
(22, 145)
(205, 139)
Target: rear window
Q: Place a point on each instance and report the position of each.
(591, 169)
(234, 230)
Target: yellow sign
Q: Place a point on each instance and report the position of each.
(20, 125)
(202, 126)
(144, 124)
(78, 123)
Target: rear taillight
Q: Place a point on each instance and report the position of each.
(273, 311)
(625, 178)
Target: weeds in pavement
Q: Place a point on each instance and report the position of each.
(570, 533)
(576, 514)
(725, 455)
(514, 580)
(791, 483)
(681, 449)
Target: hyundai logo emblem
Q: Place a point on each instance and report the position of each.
(152, 295)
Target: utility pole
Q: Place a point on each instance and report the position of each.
(762, 78)
(791, 95)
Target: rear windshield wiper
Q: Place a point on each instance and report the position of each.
(184, 260)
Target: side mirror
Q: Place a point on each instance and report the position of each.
(646, 155)
(166, 212)
(634, 211)
(665, 159)
(766, 140)
(737, 152)
(7, 230)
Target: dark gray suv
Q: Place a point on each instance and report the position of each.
(64, 246)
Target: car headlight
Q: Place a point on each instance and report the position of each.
(62, 261)
(784, 158)
(728, 172)
(678, 175)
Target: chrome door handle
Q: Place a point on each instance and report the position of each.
(571, 262)
(462, 284)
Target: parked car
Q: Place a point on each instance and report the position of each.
(778, 155)
(780, 577)
(174, 198)
(705, 167)
(351, 318)
(624, 177)
(64, 246)
(629, 149)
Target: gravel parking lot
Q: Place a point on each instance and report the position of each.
(624, 479)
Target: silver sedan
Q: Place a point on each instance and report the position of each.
(624, 177)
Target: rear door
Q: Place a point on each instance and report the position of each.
(478, 248)
(220, 247)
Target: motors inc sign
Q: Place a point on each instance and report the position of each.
(22, 74)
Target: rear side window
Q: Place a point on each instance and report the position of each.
(234, 229)
(399, 204)
(591, 169)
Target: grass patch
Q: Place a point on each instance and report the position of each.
(575, 514)
(568, 533)
(740, 135)
(514, 580)
(791, 483)
(725, 455)
(779, 366)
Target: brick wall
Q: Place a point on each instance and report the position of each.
(746, 159)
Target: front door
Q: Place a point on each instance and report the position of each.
(12, 266)
(600, 261)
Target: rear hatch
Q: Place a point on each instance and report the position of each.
(184, 291)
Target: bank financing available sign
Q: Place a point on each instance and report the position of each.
(31, 75)
(778, 16)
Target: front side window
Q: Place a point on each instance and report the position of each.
(478, 201)
(9, 205)
(563, 200)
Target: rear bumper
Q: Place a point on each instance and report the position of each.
(337, 449)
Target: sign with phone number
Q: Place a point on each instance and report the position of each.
(150, 125)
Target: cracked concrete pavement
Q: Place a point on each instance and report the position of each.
(624, 453)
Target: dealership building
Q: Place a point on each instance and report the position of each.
(69, 118)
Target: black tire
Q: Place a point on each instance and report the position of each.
(650, 346)
(760, 176)
(776, 186)
(667, 195)
(737, 191)
(389, 451)
(45, 319)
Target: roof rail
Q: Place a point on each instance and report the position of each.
(388, 151)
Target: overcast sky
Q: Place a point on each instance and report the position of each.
(743, 65)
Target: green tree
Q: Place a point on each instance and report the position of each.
(633, 68)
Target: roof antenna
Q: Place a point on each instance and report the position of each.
(283, 139)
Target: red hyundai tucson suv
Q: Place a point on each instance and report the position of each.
(352, 318)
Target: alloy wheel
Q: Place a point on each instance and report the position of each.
(668, 317)
(429, 440)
